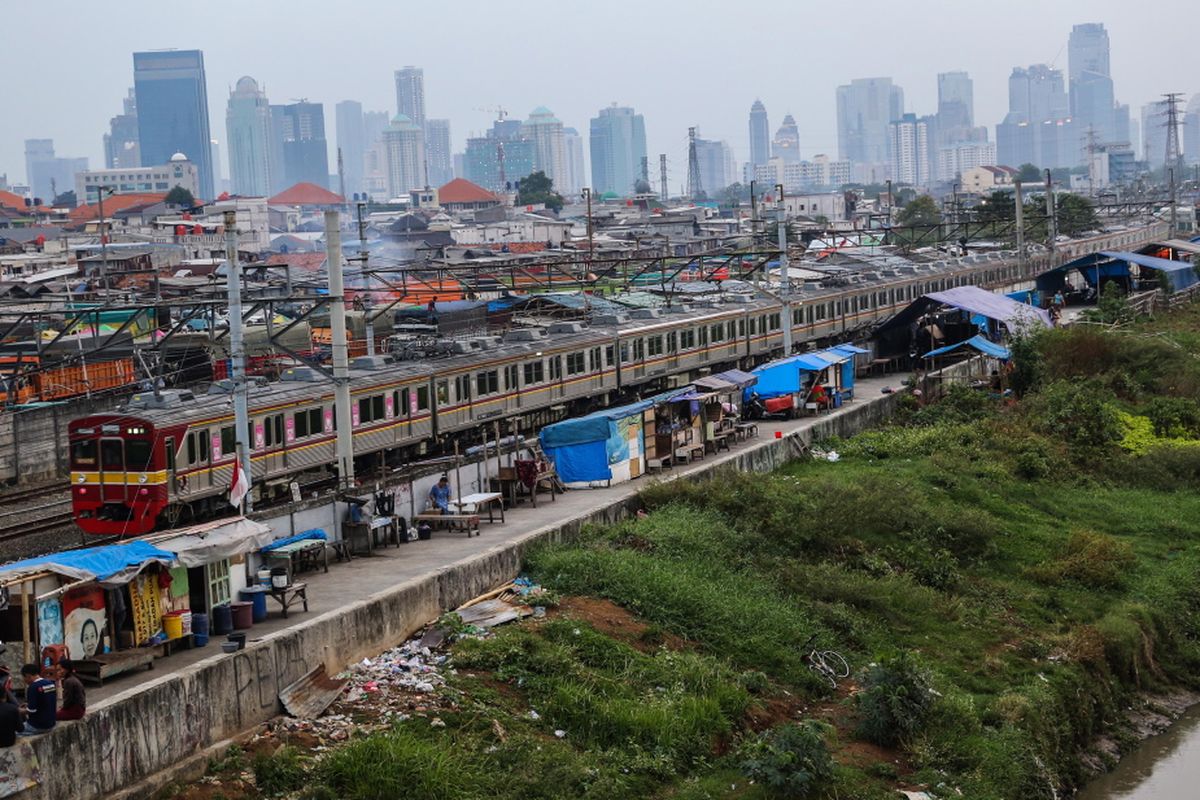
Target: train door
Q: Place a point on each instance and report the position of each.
(557, 387)
(112, 469)
(198, 455)
(172, 480)
(672, 351)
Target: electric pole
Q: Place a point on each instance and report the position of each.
(662, 177)
(341, 359)
(695, 187)
(237, 357)
(368, 321)
(1051, 217)
(785, 278)
(1020, 215)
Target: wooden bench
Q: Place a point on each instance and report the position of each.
(288, 597)
(102, 666)
(452, 522)
(301, 555)
(658, 464)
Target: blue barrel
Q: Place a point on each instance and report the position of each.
(222, 619)
(257, 595)
(199, 629)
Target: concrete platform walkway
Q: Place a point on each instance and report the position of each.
(365, 576)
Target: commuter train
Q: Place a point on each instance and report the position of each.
(168, 457)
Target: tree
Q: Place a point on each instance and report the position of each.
(65, 200)
(538, 188)
(1075, 214)
(922, 210)
(996, 207)
(1029, 173)
(180, 196)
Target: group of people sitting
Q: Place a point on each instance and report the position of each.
(39, 712)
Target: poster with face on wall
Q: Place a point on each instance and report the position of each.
(84, 621)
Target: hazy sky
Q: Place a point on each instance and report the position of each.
(699, 62)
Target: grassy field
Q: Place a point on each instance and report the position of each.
(1001, 577)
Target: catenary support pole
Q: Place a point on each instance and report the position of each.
(237, 357)
(1019, 210)
(341, 356)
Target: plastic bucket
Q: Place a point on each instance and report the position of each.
(186, 618)
(257, 597)
(238, 638)
(243, 615)
(222, 619)
(199, 629)
(279, 578)
(264, 578)
(173, 626)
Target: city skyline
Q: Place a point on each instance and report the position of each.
(78, 122)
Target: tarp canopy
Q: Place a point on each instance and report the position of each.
(113, 564)
(973, 300)
(594, 426)
(787, 375)
(977, 342)
(738, 378)
(715, 383)
(848, 350)
(1180, 244)
(214, 541)
(1181, 274)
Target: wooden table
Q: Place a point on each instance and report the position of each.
(105, 665)
(746, 429)
(301, 555)
(454, 522)
(287, 597)
(489, 499)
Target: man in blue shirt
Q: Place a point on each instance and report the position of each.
(439, 495)
(41, 702)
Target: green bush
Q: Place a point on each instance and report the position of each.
(398, 764)
(1174, 417)
(279, 773)
(1082, 413)
(960, 403)
(895, 701)
(790, 761)
(1094, 560)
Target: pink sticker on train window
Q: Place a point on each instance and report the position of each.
(216, 445)
(329, 420)
(289, 428)
(412, 403)
(354, 414)
(388, 409)
(260, 436)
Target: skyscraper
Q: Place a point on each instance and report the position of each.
(1093, 105)
(1038, 128)
(501, 157)
(352, 141)
(546, 133)
(1191, 131)
(956, 100)
(248, 135)
(1154, 133)
(298, 130)
(618, 145)
(437, 152)
(787, 141)
(121, 142)
(573, 146)
(404, 149)
(717, 170)
(49, 175)
(410, 94)
(908, 139)
(172, 106)
(865, 107)
(36, 150)
(760, 134)
(1088, 51)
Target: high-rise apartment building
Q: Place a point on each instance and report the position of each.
(121, 142)
(717, 169)
(617, 139)
(404, 156)
(865, 108)
(956, 100)
(908, 139)
(1191, 131)
(437, 152)
(248, 137)
(172, 110)
(760, 134)
(352, 142)
(1038, 128)
(410, 94)
(786, 145)
(549, 148)
(49, 175)
(501, 157)
(576, 175)
(298, 132)
(1093, 105)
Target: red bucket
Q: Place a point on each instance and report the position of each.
(243, 615)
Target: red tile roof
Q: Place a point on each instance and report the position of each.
(306, 194)
(12, 201)
(306, 262)
(461, 190)
(113, 204)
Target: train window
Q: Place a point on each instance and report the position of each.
(422, 398)
(376, 410)
(555, 368)
(443, 393)
(624, 352)
(741, 327)
(462, 387)
(808, 315)
(797, 316)
(112, 454)
(753, 325)
(202, 448)
(703, 335)
(487, 382)
(776, 322)
(575, 363)
(137, 455)
(83, 453)
(687, 339)
(729, 328)
(654, 345)
(228, 440)
(534, 372)
(594, 359)
(364, 411)
(716, 333)
(300, 424)
(511, 376)
(639, 349)
(400, 401)
(609, 355)
(268, 437)
(672, 342)
(191, 449)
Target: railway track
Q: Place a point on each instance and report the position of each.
(32, 493)
(50, 522)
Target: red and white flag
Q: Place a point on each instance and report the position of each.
(239, 486)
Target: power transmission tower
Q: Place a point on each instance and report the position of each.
(1173, 158)
(662, 177)
(695, 188)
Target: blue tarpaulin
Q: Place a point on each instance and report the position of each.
(114, 563)
(1181, 274)
(977, 342)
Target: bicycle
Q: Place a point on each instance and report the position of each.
(829, 664)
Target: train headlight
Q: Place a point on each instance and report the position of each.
(80, 479)
(141, 478)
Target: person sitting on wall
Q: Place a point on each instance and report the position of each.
(74, 698)
(41, 702)
(10, 722)
(6, 689)
(439, 495)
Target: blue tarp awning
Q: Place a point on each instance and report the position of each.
(112, 564)
(1182, 274)
(977, 342)
(973, 300)
(594, 426)
(738, 378)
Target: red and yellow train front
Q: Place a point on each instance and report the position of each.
(118, 475)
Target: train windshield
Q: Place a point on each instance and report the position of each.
(137, 455)
(112, 455)
(83, 454)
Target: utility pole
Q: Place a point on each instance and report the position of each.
(587, 195)
(341, 360)
(368, 320)
(237, 356)
(753, 215)
(662, 177)
(1051, 214)
(1174, 205)
(785, 280)
(103, 241)
(1019, 202)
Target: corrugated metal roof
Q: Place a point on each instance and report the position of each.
(312, 694)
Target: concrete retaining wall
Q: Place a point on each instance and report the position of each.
(149, 732)
(33, 441)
